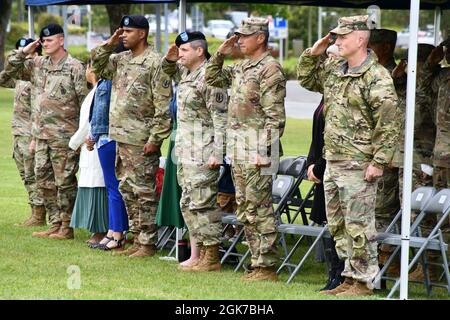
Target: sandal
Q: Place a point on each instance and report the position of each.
(103, 243)
(118, 244)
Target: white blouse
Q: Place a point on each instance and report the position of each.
(91, 174)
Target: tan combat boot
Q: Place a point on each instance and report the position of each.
(344, 286)
(45, 234)
(202, 250)
(37, 217)
(264, 273)
(65, 232)
(357, 289)
(250, 273)
(210, 261)
(130, 250)
(144, 251)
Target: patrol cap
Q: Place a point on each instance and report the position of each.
(134, 21)
(383, 36)
(23, 42)
(186, 37)
(252, 25)
(51, 30)
(354, 23)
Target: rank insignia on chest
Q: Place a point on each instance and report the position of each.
(219, 97)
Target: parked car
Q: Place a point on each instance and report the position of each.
(423, 36)
(218, 28)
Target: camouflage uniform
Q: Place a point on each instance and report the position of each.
(436, 81)
(58, 92)
(201, 119)
(139, 114)
(361, 128)
(388, 193)
(258, 89)
(21, 131)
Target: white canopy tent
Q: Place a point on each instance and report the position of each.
(414, 6)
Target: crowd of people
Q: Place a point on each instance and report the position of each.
(112, 135)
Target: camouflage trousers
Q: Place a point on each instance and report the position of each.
(350, 204)
(441, 177)
(198, 202)
(418, 180)
(255, 211)
(388, 202)
(25, 164)
(56, 166)
(136, 173)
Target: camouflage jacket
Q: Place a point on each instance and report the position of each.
(21, 119)
(424, 123)
(201, 115)
(361, 107)
(256, 114)
(57, 90)
(438, 81)
(139, 109)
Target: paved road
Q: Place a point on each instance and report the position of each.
(300, 103)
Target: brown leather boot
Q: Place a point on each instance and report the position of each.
(65, 232)
(357, 289)
(202, 250)
(264, 273)
(144, 251)
(210, 261)
(37, 217)
(344, 286)
(45, 234)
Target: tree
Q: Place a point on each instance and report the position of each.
(5, 14)
(115, 13)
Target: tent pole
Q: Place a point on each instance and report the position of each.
(30, 23)
(158, 28)
(409, 138)
(182, 16)
(437, 24)
(166, 27)
(319, 23)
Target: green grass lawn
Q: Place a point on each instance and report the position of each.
(34, 268)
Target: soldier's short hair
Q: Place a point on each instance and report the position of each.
(200, 43)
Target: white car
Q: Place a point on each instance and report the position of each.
(218, 28)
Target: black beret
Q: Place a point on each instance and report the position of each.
(186, 37)
(23, 42)
(134, 21)
(51, 30)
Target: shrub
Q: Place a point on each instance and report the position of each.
(45, 19)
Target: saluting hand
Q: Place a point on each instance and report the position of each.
(32, 147)
(115, 38)
(172, 54)
(399, 70)
(228, 46)
(31, 48)
(321, 45)
(436, 55)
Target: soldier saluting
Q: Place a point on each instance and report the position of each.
(59, 88)
(361, 129)
(139, 121)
